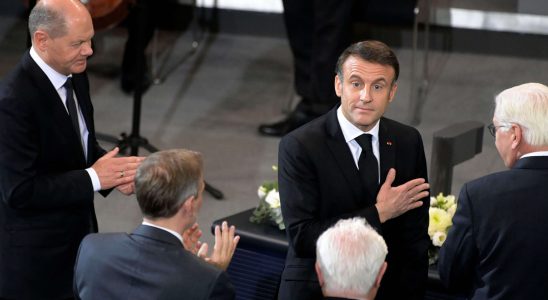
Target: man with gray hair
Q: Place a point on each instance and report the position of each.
(350, 260)
(151, 262)
(496, 248)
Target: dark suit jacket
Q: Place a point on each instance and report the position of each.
(150, 263)
(497, 247)
(46, 195)
(320, 184)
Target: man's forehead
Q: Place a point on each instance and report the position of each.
(360, 68)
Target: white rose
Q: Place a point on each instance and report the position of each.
(261, 192)
(273, 199)
(439, 238)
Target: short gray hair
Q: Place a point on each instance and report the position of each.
(527, 106)
(165, 179)
(48, 19)
(350, 255)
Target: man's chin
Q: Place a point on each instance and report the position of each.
(78, 68)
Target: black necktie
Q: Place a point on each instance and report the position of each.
(71, 106)
(369, 168)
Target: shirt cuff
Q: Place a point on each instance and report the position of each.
(94, 179)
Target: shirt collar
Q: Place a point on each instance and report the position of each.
(350, 131)
(537, 153)
(56, 78)
(176, 234)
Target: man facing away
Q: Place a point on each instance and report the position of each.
(50, 161)
(496, 248)
(353, 162)
(151, 262)
(350, 260)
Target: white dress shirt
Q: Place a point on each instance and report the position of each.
(58, 80)
(176, 234)
(351, 132)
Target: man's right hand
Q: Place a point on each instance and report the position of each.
(114, 171)
(225, 245)
(394, 201)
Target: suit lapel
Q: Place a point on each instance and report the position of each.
(387, 150)
(341, 154)
(84, 102)
(54, 105)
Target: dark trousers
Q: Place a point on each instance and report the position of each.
(318, 32)
(143, 19)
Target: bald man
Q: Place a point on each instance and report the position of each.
(50, 161)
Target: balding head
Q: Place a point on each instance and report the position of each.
(61, 34)
(55, 16)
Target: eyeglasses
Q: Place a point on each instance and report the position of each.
(493, 129)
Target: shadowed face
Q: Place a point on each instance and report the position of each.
(365, 91)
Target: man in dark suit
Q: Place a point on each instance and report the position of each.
(350, 260)
(151, 263)
(50, 161)
(496, 248)
(320, 182)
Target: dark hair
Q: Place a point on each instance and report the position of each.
(165, 179)
(371, 51)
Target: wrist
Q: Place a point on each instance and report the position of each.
(383, 217)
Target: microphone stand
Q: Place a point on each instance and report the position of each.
(134, 140)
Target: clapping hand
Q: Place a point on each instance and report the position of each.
(116, 171)
(191, 239)
(225, 245)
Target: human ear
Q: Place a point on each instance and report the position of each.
(393, 90)
(319, 273)
(338, 85)
(517, 136)
(380, 274)
(40, 40)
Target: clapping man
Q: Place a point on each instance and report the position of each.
(50, 161)
(151, 262)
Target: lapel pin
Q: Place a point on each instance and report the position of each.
(389, 143)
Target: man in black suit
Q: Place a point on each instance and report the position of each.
(350, 260)
(50, 161)
(496, 248)
(151, 263)
(320, 182)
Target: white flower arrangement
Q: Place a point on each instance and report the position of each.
(269, 204)
(441, 212)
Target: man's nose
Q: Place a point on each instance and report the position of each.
(87, 50)
(365, 95)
